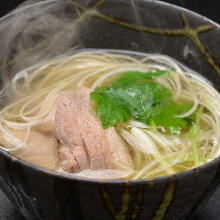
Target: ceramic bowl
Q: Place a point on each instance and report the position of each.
(149, 27)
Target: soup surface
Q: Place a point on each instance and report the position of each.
(111, 115)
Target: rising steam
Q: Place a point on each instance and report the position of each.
(37, 31)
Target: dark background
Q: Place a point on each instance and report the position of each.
(8, 5)
(207, 8)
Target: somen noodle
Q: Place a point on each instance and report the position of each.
(34, 92)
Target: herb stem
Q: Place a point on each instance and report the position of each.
(195, 146)
(193, 134)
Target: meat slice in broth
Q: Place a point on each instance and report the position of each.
(76, 126)
(84, 143)
(74, 159)
(122, 158)
(69, 133)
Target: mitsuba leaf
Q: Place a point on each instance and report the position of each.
(110, 107)
(133, 95)
(118, 104)
(143, 97)
(165, 115)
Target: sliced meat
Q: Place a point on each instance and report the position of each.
(74, 159)
(68, 160)
(69, 133)
(76, 126)
(82, 136)
(84, 94)
(66, 120)
(122, 158)
(96, 143)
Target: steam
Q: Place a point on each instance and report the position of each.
(37, 31)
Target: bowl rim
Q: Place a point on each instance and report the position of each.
(68, 177)
(171, 5)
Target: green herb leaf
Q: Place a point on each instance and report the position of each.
(165, 116)
(135, 76)
(118, 104)
(145, 101)
(110, 106)
(143, 98)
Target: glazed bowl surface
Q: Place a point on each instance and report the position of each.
(146, 26)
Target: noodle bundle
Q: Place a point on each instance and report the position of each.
(34, 93)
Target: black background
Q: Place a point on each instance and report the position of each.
(207, 8)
